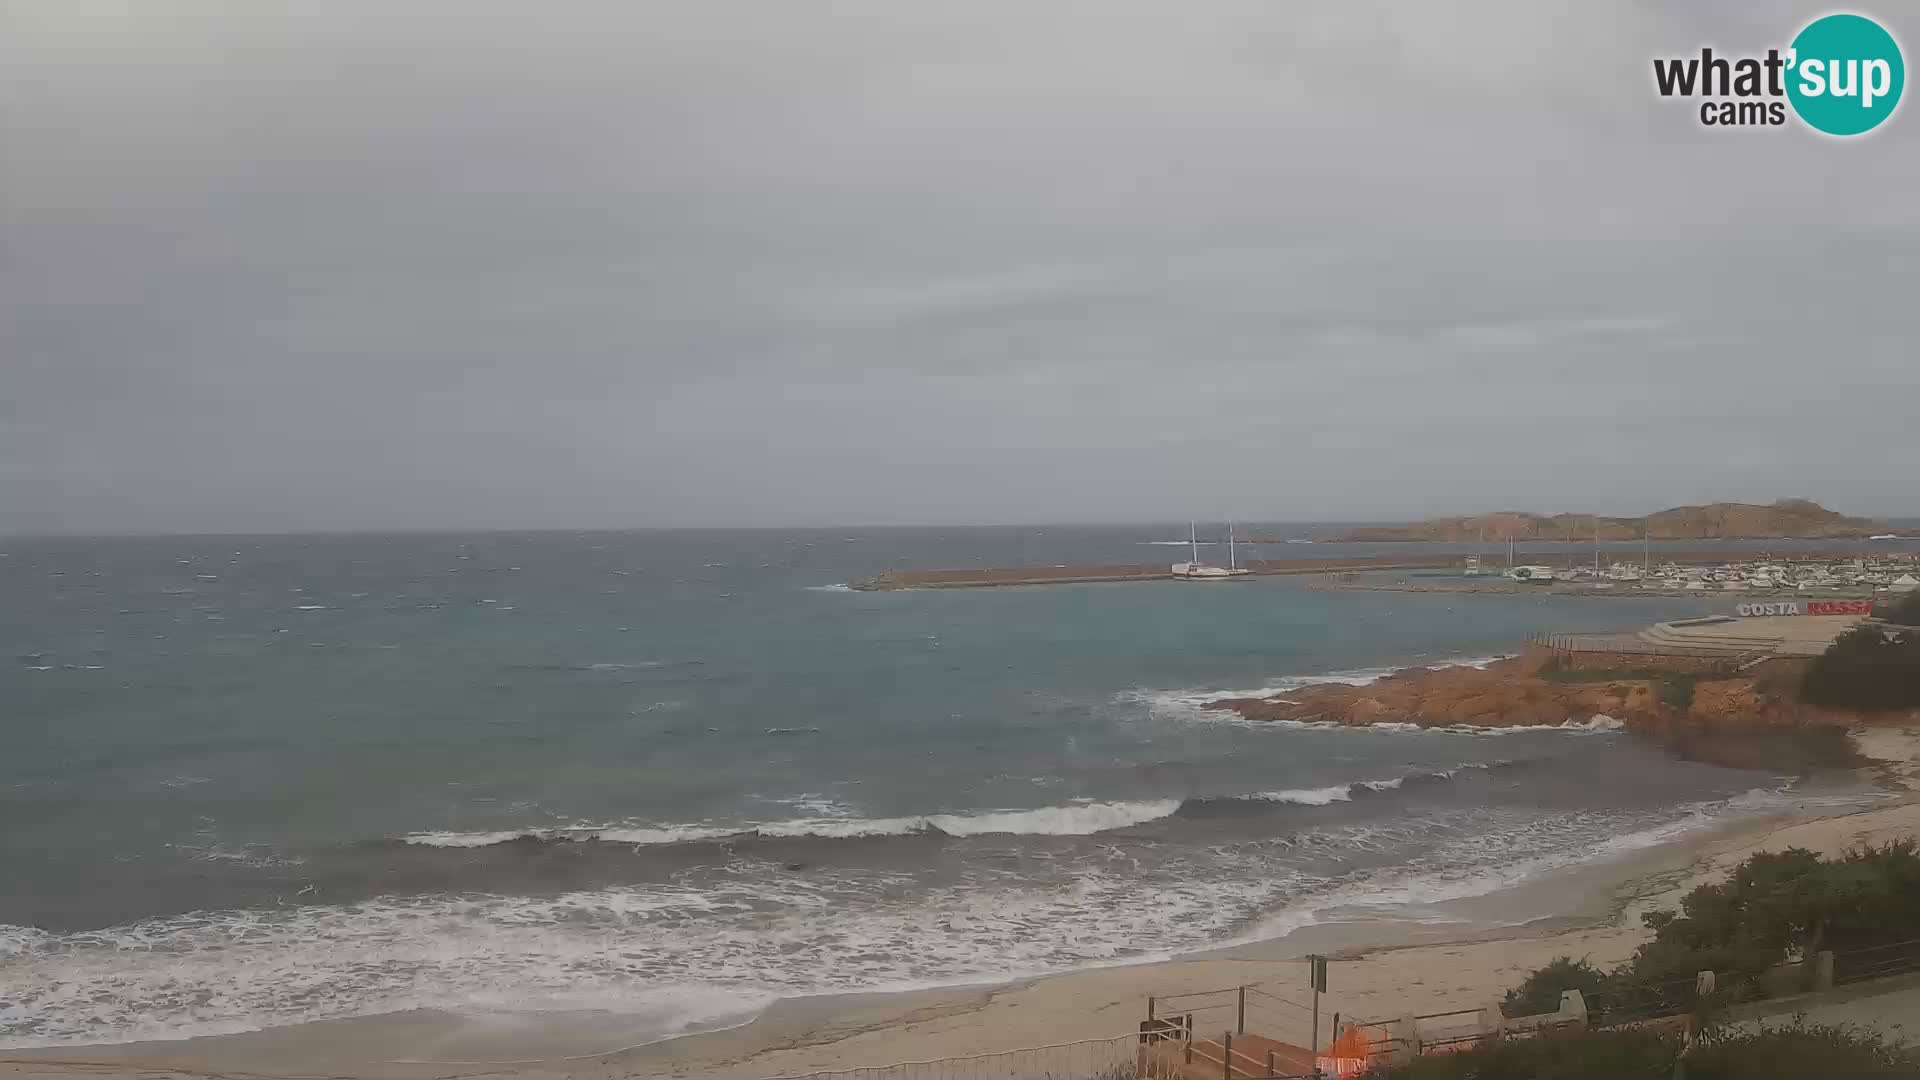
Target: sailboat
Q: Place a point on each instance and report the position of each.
(1200, 571)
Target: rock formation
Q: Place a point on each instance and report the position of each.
(1748, 720)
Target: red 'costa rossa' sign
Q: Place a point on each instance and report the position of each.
(1814, 607)
(1840, 607)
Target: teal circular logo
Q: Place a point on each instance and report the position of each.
(1845, 74)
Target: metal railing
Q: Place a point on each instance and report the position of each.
(1876, 962)
(1231, 1010)
(1657, 1003)
(1235, 1008)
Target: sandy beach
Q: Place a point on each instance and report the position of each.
(1457, 954)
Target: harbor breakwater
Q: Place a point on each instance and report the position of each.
(1062, 574)
(1491, 579)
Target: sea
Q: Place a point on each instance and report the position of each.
(676, 775)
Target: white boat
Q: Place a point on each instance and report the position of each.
(1531, 574)
(1886, 536)
(1200, 571)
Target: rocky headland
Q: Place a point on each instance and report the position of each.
(1751, 719)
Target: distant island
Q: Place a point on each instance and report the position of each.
(1796, 519)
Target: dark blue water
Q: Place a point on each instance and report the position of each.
(248, 781)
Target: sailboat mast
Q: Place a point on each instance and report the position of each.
(1193, 537)
(1231, 564)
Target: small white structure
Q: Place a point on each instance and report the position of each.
(1199, 571)
(1531, 575)
(1904, 583)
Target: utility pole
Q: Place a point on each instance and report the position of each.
(1317, 977)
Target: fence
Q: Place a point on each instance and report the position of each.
(1175, 1041)
(1627, 652)
(1237, 1009)
(1250, 1021)
(1876, 962)
(1641, 1004)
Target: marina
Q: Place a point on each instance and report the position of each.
(1836, 574)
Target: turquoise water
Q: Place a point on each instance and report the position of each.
(250, 781)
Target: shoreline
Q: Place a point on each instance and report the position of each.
(1425, 957)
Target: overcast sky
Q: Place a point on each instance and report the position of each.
(313, 264)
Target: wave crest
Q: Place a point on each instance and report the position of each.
(1076, 819)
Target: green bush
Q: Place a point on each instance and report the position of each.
(1868, 668)
(1676, 691)
(1625, 1054)
(1798, 1053)
(1863, 905)
(1541, 992)
(1905, 611)
(1791, 1053)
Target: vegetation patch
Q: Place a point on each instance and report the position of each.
(1777, 908)
(1796, 1052)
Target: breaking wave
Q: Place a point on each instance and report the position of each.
(1080, 819)
(1076, 819)
(1188, 701)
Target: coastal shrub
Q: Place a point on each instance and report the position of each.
(1905, 610)
(1775, 907)
(1800, 1051)
(1676, 691)
(1796, 1052)
(1625, 1054)
(1869, 668)
(1541, 991)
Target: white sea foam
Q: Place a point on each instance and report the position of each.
(1459, 875)
(466, 839)
(1311, 796)
(1081, 819)
(836, 587)
(1185, 703)
(1334, 793)
(1078, 820)
(677, 834)
(832, 820)
(1189, 705)
(683, 955)
(729, 947)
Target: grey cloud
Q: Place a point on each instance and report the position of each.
(328, 266)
